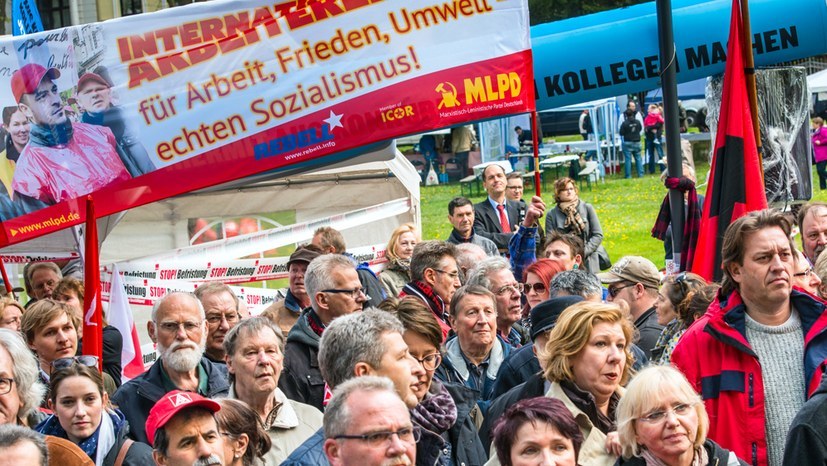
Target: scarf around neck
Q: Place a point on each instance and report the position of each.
(97, 445)
(574, 222)
(436, 412)
(700, 458)
(50, 136)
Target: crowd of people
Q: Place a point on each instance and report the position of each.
(503, 344)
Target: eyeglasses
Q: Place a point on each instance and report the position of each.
(5, 385)
(378, 439)
(431, 361)
(172, 327)
(215, 319)
(354, 293)
(656, 417)
(63, 363)
(515, 187)
(453, 275)
(805, 273)
(518, 287)
(538, 287)
(615, 290)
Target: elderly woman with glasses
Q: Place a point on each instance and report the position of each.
(449, 434)
(663, 422)
(474, 356)
(82, 415)
(21, 390)
(673, 292)
(804, 276)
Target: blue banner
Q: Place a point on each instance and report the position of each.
(25, 18)
(616, 52)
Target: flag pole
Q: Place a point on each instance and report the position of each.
(669, 83)
(6, 282)
(749, 73)
(92, 303)
(535, 139)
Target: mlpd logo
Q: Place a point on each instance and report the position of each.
(491, 88)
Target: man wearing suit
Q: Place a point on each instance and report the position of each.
(496, 218)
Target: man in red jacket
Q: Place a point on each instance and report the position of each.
(760, 349)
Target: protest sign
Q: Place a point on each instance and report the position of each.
(145, 107)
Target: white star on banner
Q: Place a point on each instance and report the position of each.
(334, 120)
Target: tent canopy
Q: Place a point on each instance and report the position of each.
(817, 82)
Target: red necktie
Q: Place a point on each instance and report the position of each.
(506, 228)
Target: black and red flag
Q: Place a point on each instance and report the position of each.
(736, 183)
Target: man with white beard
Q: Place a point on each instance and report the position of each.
(178, 329)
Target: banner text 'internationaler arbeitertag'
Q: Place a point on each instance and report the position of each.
(145, 107)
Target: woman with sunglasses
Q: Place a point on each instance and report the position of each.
(449, 434)
(673, 292)
(662, 421)
(82, 415)
(536, 279)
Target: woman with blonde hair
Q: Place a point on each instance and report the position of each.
(574, 216)
(662, 422)
(11, 312)
(587, 360)
(398, 252)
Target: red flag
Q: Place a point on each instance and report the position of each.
(736, 184)
(93, 309)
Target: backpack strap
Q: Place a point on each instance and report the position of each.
(122, 452)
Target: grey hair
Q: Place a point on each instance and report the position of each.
(427, 255)
(577, 282)
(212, 288)
(163, 300)
(468, 290)
(468, 256)
(32, 268)
(336, 418)
(479, 274)
(352, 339)
(26, 372)
(11, 435)
(251, 326)
(319, 274)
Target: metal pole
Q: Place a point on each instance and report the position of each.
(669, 84)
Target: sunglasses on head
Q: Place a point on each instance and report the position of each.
(63, 363)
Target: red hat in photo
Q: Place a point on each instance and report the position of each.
(170, 405)
(91, 77)
(26, 79)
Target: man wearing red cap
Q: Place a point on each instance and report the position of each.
(94, 94)
(62, 160)
(182, 430)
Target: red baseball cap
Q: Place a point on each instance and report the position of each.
(91, 77)
(170, 405)
(26, 79)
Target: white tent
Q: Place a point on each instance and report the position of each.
(817, 82)
(368, 179)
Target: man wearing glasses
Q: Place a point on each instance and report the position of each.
(179, 330)
(366, 424)
(805, 277)
(335, 290)
(221, 308)
(363, 344)
(635, 280)
(434, 279)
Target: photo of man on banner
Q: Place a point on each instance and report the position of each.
(62, 160)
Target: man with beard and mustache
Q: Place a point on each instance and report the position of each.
(178, 328)
(184, 432)
(812, 223)
(63, 160)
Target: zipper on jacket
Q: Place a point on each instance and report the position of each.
(751, 391)
(754, 454)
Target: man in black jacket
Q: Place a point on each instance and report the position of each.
(497, 217)
(807, 440)
(178, 328)
(630, 131)
(334, 289)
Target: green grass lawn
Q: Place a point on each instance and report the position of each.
(626, 208)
